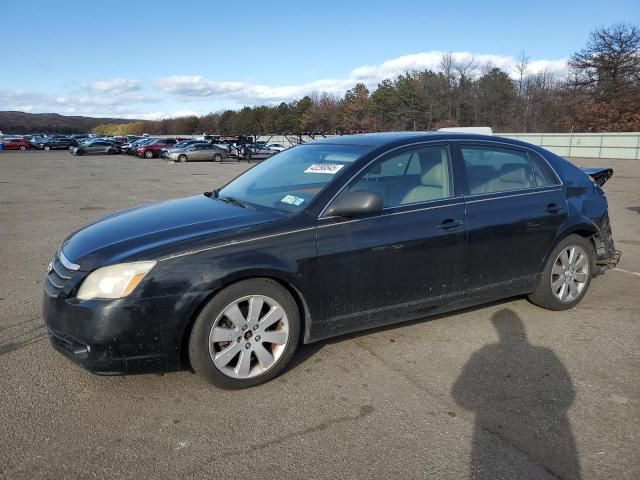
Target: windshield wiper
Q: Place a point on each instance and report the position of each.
(233, 201)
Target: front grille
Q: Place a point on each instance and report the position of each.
(61, 272)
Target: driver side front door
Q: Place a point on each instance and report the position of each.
(407, 259)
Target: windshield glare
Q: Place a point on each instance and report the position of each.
(291, 179)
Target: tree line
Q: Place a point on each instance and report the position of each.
(601, 92)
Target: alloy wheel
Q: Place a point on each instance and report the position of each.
(249, 337)
(570, 273)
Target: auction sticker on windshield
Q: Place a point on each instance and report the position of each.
(330, 168)
(293, 200)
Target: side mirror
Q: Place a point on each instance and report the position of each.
(355, 203)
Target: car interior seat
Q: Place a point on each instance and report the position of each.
(434, 177)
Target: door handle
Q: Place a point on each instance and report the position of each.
(449, 224)
(553, 208)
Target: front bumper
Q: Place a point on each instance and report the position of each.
(108, 337)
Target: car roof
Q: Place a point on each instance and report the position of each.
(375, 140)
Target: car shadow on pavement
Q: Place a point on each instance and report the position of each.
(519, 394)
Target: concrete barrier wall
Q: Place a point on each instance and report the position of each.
(588, 145)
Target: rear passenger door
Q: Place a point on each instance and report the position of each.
(515, 205)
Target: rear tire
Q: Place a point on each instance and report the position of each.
(148, 154)
(264, 359)
(182, 158)
(217, 158)
(46, 147)
(567, 274)
(22, 148)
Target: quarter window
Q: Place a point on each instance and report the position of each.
(496, 169)
(413, 176)
(542, 172)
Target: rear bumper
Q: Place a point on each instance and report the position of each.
(606, 254)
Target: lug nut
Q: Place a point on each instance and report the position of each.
(255, 327)
(257, 338)
(239, 339)
(244, 327)
(247, 346)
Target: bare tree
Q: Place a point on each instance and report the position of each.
(610, 60)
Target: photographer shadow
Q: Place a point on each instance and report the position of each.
(520, 394)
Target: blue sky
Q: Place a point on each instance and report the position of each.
(151, 60)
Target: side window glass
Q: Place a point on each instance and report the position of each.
(542, 173)
(496, 169)
(416, 176)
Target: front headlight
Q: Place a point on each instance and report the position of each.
(114, 281)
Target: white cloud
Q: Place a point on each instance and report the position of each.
(115, 86)
(196, 87)
(102, 104)
(128, 98)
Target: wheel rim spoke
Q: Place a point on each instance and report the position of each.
(255, 307)
(234, 314)
(264, 356)
(580, 262)
(244, 364)
(224, 334)
(223, 358)
(573, 289)
(557, 269)
(564, 258)
(275, 336)
(274, 315)
(555, 285)
(580, 277)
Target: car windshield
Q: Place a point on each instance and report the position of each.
(289, 180)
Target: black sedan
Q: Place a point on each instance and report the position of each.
(52, 143)
(322, 239)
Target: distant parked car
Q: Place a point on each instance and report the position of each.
(155, 148)
(278, 147)
(96, 147)
(199, 152)
(256, 152)
(52, 143)
(180, 146)
(16, 144)
(132, 147)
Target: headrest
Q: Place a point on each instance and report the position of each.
(431, 165)
(434, 176)
(514, 173)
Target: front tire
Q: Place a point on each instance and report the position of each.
(217, 158)
(182, 158)
(148, 154)
(46, 148)
(22, 148)
(245, 335)
(567, 274)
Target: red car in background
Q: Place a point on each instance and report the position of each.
(16, 144)
(154, 149)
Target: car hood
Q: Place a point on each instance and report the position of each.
(124, 234)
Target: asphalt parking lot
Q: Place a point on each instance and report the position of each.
(442, 398)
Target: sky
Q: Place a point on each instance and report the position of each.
(150, 60)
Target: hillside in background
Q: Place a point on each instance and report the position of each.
(22, 122)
